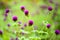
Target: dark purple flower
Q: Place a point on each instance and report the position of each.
(7, 11)
(25, 25)
(57, 32)
(1, 32)
(50, 8)
(22, 8)
(14, 18)
(5, 14)
(48, 25)
(30, 22)
(26, 12)
(8, 25)
(16, 38)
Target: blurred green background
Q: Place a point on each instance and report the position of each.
(40, 16)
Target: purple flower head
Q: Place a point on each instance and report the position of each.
(1, 32)
(8, 25)
(26, 12)
(25, 25)
(5, 14)
(48, 25)
(7, 11)
(14, 18)
(57, 32)
(22, 8)
(16, 38)
(50, 8)
(30, 22)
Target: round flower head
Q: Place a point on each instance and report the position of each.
(25, 25)
(14, 18)
(8, 25)
(6, 14)
(7, 11)
(22, 8)
(17, 38)
(48, 25)
(57, 32)
(30, 22)
(50, 8)
(1, 32)
(26, 12)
